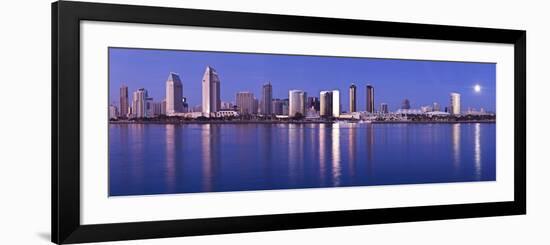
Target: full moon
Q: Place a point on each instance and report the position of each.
(477, 88)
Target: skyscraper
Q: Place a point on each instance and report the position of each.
(313, 103)
(325, 103)
(123, 101)
(370, 99)
(336, 103)
(139, 103)
(245, 102)
(406, 104)
(352, 98)
(255, 106)
(174, 94)
(267, 96)
(277, 106)
(157, 109)
(210, 91)
(297, 102)
(455, 104)
(384, 108)
(285, 106)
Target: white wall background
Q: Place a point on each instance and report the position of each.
(25, 125)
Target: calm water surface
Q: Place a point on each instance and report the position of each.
(166, 158)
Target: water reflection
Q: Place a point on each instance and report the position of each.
(154, 159)
(456, 145)
(370, 144)
(267, 140)
(477, 150)
(138, 152)
(336, 168)
(170, 157)
(210, 134)
(322, 152)
(352, 151)
(295, 150)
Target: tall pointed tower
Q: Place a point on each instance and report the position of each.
(174, 94)
(210, 91)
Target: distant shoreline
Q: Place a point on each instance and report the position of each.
(300, 122)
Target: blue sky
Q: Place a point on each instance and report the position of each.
(422, 82)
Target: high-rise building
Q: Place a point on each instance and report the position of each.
(113, 112)
(157, 109)
(210, 91)
(174, 94)
(352, 98)
(245, 102)
(267, 96)
(325, 103)
(163, 107)
(384, 108)
(455, 104)
(123, 101)
(370, 99)
(256, 106)
(297, 102)
(285, 106)
(336, 108)
(277, 106)
(139, 103)
(406, 104)
(312, 103)
(436, 107)
(185, 107)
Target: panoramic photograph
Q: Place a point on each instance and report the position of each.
(183, 121)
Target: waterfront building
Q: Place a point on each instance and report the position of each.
(313, 102)
(149, 107)
(157, 109)
(436, 107)
(370, 99)
(185, 107)
(325, 103)
(267, 97)
(285, 107)
(256, 106)
(297, 102)
(426, 108)
(311, 113)
(352, 98)
(245, 103)
(226, 105)
(139, 103)
(174, 94)
(163, 107)
(113, 112)
(277, 106)
(384, 108)
(210, 91)
(406, 104)
(455, 104)
(336, 107)
(225, 113)
(124, 101)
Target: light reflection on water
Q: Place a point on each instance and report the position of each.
(158, 158)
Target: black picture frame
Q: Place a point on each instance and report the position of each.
(66, 17)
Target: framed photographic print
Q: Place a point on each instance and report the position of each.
(177, 122)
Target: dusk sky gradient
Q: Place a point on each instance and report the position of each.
(422, 82)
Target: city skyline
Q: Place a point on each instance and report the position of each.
(128, 63)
